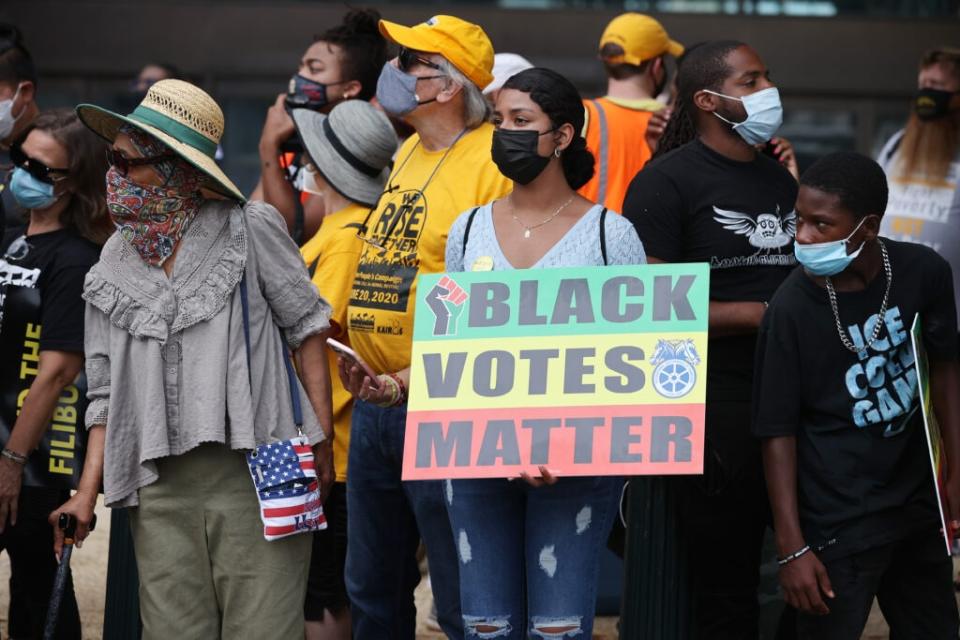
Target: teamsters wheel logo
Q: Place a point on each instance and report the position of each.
(675, 372)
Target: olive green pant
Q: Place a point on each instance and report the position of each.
(206, 571)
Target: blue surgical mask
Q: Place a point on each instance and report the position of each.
(397, 91)
(764, 115)
(827, 258)
(29, 192)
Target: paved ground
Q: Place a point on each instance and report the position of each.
(90, 566)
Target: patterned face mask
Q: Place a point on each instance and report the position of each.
(151, 218)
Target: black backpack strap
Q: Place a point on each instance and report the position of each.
(603, 235)
(466, 231)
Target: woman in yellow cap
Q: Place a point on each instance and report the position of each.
(185, 375)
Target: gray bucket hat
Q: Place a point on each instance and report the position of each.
(351, 148)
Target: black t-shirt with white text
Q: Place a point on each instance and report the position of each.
(56, 264)
(863, 470)
(696, 205)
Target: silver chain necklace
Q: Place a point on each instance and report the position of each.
(883, 306)
(526, 229)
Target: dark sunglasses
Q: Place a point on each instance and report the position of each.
(34, 167)
(123, 164)
(407, 59)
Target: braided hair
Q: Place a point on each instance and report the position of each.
(559, 99)
(703, 66)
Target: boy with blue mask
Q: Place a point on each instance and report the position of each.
(836, 406)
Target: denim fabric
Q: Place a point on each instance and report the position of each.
(387, 519)
(529, 556)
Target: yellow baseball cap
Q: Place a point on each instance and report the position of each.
(463, 43)
(641, 37)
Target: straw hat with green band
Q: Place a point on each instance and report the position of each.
(179, 115)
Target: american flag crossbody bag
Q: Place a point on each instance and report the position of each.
(283, 472)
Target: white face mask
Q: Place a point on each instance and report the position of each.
(7, 119)
(308, 181)
(764, 115)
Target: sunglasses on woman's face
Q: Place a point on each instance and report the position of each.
(407, 59)
(35, 168)
(123, 163)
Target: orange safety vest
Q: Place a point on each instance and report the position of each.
(615, 135)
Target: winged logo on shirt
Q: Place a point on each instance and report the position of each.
(766, 231)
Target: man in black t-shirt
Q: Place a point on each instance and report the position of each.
(836, 404)
(717, 200)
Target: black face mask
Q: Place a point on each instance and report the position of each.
(304, 93)
(514, 152)
(930, 104)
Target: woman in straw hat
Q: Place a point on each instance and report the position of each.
(176, 391)
(349, 154)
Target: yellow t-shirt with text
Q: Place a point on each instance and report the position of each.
(331, 256)
(426, 192)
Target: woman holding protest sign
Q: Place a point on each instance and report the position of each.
(529, 551)
(58, 178)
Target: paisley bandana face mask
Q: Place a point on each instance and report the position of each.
(151, 218)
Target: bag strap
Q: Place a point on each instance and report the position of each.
(603, 235)
(291, 374)
(466, 231)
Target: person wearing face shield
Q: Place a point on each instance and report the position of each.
(435, 85)
(922, 163)
(718, 200)
(837, 408)
(634, 49)
(18, 108)
(343, 63)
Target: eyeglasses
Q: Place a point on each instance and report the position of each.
(407, 58)
(18, 249)
(123, 163)
(35, 168)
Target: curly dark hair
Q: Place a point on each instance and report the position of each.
(87, 169)
(702, 66)
(364, 48)
(561, 101)
(858, 181)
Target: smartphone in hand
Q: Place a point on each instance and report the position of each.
(352, 358)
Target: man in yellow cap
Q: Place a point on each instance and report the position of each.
(632, 49)
(435, 85)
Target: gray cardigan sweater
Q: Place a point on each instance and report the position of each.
(166, 358)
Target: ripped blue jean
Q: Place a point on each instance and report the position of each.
(529, 556)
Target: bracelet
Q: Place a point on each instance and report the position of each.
(401, 387)
(395, 392)
(793, 556)
(14, 456)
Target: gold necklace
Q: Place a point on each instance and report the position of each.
(526, 229)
